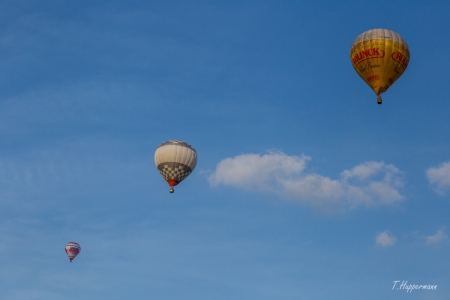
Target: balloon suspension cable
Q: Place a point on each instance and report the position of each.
(171, 190)
(379, 101)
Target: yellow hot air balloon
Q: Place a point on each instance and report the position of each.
(380, 57)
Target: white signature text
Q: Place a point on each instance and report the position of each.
(410, 287)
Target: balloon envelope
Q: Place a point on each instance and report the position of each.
(380, 57)
(175, 160)
(72, 250)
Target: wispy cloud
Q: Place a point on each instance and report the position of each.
(439, 237)
(439, 178)
(385, 239)
(367, 184)
(48, 176)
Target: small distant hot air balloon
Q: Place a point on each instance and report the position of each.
(72, 250)
(175, 160)
(380, 57)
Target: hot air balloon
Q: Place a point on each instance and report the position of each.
(72, 250)
(380, 57)
(175, 160)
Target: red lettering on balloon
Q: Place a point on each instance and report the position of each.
(367, 54)
(400, 58)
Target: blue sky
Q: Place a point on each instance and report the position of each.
(305, 188)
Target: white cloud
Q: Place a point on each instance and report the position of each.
(369, 183)
(256, 171)
(385, 239)
(363, 171)
(437, 238)
(439, 178)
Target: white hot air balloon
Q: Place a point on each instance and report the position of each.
(72, 250)
(175, 160)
